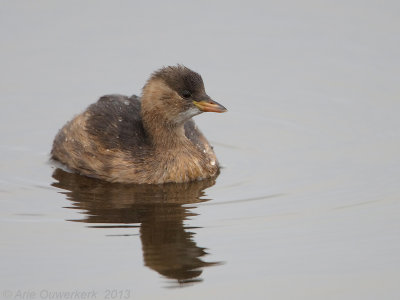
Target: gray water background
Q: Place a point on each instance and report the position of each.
(307, 205)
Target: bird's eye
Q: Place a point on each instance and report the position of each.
(186, 94)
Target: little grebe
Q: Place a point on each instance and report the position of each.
(149, 140)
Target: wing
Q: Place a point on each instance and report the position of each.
(115, 121)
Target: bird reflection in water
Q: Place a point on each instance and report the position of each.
(168, 247)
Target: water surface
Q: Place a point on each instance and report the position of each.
(307, 204)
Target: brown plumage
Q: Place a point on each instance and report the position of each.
(147, 140)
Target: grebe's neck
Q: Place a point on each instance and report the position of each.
(158, 116)
(162, 132)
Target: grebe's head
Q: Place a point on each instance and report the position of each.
(178, 94)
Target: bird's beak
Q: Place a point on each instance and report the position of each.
(209, 105)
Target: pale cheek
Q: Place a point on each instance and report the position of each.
(187, 114)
